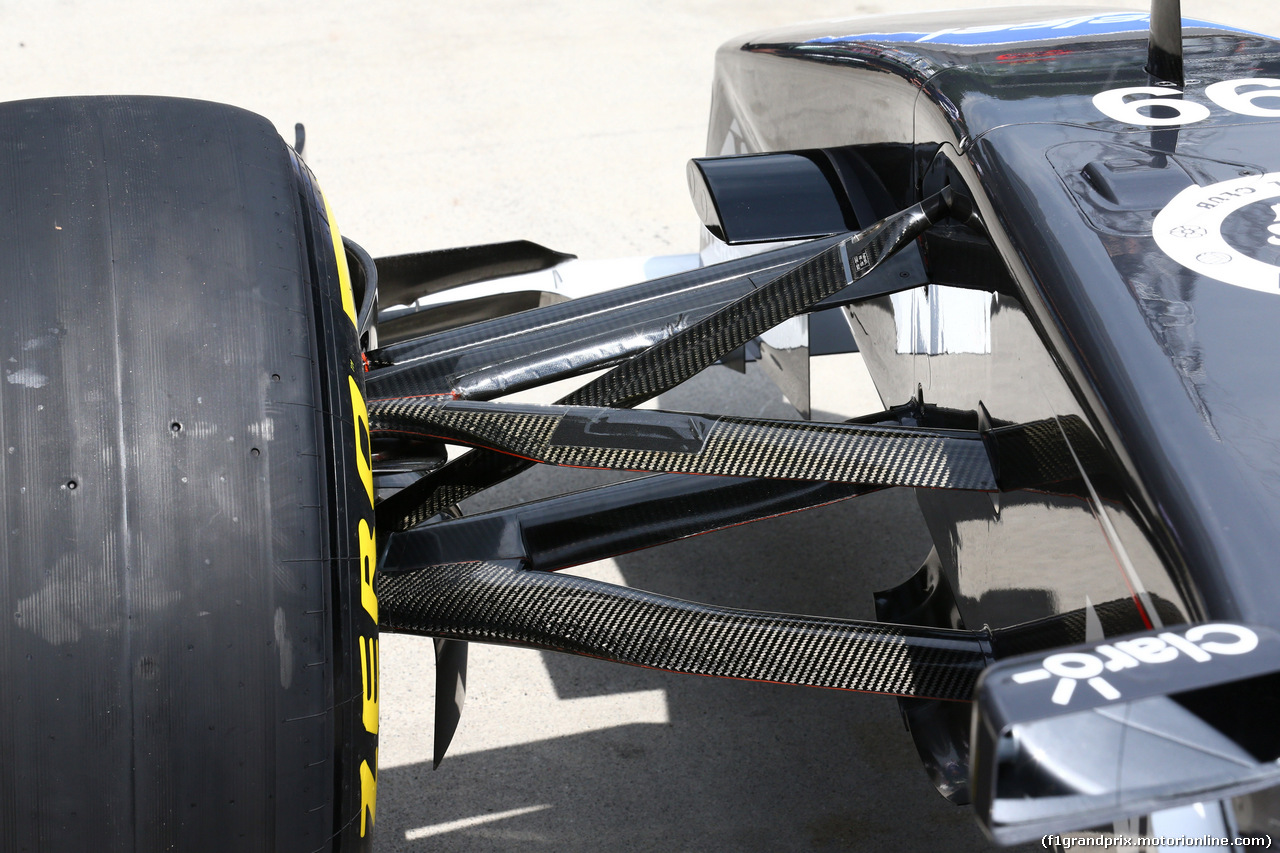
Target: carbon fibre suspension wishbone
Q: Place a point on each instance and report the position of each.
(683, 355)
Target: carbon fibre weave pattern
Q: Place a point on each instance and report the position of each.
(727, 446)
(498, 602)
(499, 356)
(681, 356)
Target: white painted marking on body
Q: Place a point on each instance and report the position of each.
(1189, 230)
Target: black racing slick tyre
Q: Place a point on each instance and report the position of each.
(189, 640)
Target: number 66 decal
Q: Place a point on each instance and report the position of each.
(1228, 94)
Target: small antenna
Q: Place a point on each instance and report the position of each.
(1164, 55)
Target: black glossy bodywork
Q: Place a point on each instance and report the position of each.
(1168, 718)
(1110, 360)
(404, 279)
(1172, 368)
(769, 197)
(580, 527)
(1167, 366)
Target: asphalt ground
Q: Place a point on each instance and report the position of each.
(568, 123)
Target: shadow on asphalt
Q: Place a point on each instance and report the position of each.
(740, 766)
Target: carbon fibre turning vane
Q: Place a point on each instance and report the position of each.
(451, 694)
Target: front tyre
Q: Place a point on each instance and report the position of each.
(187, 629)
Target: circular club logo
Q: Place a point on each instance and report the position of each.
(1228, 231)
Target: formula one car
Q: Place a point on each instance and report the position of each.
(233, 442)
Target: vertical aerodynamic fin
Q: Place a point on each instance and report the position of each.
(1164, 54)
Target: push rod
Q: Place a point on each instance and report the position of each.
(681, 356)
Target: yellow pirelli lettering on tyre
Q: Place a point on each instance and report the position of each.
(344, 271)
(368, 565)
(368, 557)
(360, 416)
(369, 680)
(367, 546)
(368, 792)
